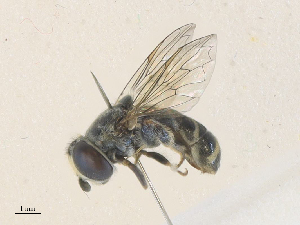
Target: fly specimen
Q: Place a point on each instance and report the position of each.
(149, 113)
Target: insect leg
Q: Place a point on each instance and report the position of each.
(136, 171)
(161, 159)
(182, 158)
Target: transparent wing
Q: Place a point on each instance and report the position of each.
(157, 58)
(180, 82)
(173, 79)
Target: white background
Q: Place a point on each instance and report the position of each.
(48, 97)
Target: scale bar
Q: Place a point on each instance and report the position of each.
(27, 213)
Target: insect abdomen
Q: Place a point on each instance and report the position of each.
(206, 153)
(198, 145)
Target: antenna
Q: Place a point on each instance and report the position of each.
(164, 212)
(102, 91)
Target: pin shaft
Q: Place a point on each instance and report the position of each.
(164, 212)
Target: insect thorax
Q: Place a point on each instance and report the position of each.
(105, 132)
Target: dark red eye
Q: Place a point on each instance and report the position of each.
(90, 162)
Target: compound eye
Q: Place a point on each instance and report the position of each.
(90, 162)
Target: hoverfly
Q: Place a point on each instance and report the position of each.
(149, 111)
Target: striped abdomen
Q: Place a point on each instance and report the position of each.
(185, 135)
